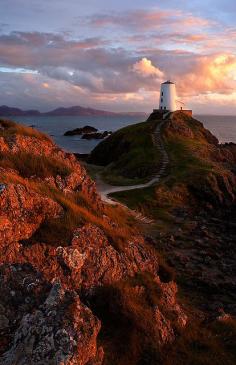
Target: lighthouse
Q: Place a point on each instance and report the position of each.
(168, 100)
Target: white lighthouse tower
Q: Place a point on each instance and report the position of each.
(168, 97)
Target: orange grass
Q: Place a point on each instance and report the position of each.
(11, 128)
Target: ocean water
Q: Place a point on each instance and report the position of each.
(223, 127)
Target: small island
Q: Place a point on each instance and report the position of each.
(88, 132)
(79, 131)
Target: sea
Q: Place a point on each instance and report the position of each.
(223, 127)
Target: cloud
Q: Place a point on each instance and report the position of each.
(210, 74)
(146, 19)
(58, 69)
(146, 68)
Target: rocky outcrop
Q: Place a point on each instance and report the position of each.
(89, 261)
(73, 175)
(51, 326)
(93, 261)
(22, 211)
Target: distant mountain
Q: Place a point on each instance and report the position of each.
(70, 111)
(77, 110)
(6, 111)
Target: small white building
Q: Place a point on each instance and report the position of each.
(168, 100)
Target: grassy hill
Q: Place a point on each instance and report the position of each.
(200, 172)
(128, 156)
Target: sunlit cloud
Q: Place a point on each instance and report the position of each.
(210, 74)
(46, 85)
(146, 68)
(117, 60)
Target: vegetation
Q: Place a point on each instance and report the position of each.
(76, 215)
(190, 171)
(28, 165)
(78, 210)
(10, 128)
(200, 344)
(128, 155)
(128, 334)
(129, 337)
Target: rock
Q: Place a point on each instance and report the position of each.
(76, 179)
(59, 331)
(80, 131)
(71, 257)
(57, 240)
(102, 263)
(97, 135)
(22, 211)
(2, 187)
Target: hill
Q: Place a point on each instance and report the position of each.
(128, 155)
(6, 111)
(199, 167)
(81, 283)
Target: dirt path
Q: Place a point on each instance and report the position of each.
(106, 189)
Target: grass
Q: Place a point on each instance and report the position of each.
(129, 335)
(128, 156)
(188, 171)
(184, 165)
(119, 180)
(10, 128)
(77, 211)
(34, 165)
(126, 309)
(200, 344)
(144, 200)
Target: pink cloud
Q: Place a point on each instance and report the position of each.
(216, 74)
(146, 68)
(146, 19)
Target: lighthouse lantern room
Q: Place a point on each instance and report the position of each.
(168, 97)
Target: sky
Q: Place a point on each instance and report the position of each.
(114, 55)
